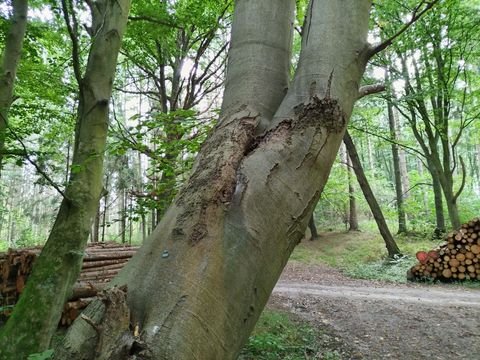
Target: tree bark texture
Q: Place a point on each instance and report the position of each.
(198, 285)
(9, 63)
(390, 243)
(36, 315)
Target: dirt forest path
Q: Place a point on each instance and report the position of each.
(378, 320)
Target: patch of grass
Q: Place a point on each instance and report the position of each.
(388, 270)
(362, 254)
(276, 336)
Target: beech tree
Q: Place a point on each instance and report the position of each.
(198, 285)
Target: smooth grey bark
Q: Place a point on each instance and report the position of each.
(199, 283)
(37, 313)
(8, 66)
(259, 58)
(390, 243)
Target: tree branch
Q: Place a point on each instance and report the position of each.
(155, 21)
(389, 140)
(37, 167)
(370, 89)
(72, 27)
(416, 14)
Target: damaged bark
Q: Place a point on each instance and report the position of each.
(198, 285)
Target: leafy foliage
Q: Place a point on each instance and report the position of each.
(45, 355)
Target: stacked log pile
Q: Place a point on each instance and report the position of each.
(457, 259)
(102, 261)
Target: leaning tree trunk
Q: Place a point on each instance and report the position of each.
(198, 285)
(37, 313)
(390, 243)
(8, 66)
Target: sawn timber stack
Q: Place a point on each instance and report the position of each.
(457, 259)
(101, 262)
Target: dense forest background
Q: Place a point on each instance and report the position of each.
(418, 140)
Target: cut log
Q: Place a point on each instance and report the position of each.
(458, 258)
(101, 263)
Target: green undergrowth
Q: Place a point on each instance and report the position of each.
(278, 336)
(362, 254)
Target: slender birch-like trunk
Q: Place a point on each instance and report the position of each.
(37, 313)
(9, 64)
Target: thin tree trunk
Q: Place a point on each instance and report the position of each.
(121, 214)
(440, 227)
(352, 213)
(390, 243)
(37, 313)
(313, 229)
(96, 226)
(249, 199)
(130, 224)
(402, 218)
(8, 66)
(105, 212)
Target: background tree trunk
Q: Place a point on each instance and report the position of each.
(8, 66)
(352, 213)
(313, 229)
(96, 226)
(402, 218)
(390, 243)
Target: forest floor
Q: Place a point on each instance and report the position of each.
(363, 319)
